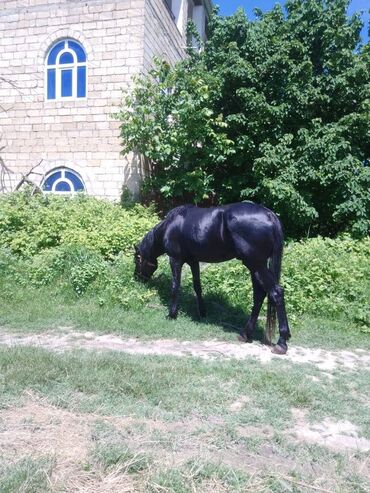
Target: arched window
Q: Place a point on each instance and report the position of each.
(66, 71)
(64, 181)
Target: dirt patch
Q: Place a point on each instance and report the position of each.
(96, 482)
(39, 429)
(239, 404)
(335, 435)
(69, 339)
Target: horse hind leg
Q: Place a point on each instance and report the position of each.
(259, 295)
(198, 288)
(276, 296)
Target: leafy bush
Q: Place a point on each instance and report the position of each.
(320, 276)
(29, 225)
(328, 276)
(120, 287)
(79, 271)
(76, 243)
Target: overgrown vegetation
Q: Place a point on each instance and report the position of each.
(30, 225)
(275, 110)
(83, 247)
(320, 276)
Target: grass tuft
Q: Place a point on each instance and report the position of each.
(111, 450)
(28, 475)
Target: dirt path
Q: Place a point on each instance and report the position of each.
(67, 339)
(35, 428)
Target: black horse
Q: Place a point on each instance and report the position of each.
(246, 231)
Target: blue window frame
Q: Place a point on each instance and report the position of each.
(66, 71)
(63, 181)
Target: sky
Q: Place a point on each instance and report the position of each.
(228, 7)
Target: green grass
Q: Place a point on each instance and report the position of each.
(29, 309)
(176, 407)
(200, 475)
(27, 475)
(167, 424)
(111, 450)
(195, 474)
(175, 388)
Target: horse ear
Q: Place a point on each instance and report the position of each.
(136, 248)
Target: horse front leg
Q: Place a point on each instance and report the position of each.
(176, 267)
(259, 295)
(198, 288)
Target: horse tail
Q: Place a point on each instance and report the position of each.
(275, 269)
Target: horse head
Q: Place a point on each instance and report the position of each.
(144, 267)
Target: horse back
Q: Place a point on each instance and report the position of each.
(216, 234)
(195, 233)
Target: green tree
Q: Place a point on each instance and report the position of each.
(171, 120)
(276, 110)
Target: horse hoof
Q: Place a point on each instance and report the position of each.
(277, 349)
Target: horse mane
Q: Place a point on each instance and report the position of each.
(147, 243)
(151, 243)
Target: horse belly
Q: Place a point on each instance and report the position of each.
(210, 246)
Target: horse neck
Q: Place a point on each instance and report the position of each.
(152, 245)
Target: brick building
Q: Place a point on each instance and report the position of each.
(63, 65)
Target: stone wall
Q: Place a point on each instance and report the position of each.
(163, 37)
(120, 38)
(79, 134)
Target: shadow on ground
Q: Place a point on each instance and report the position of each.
(220, 312)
